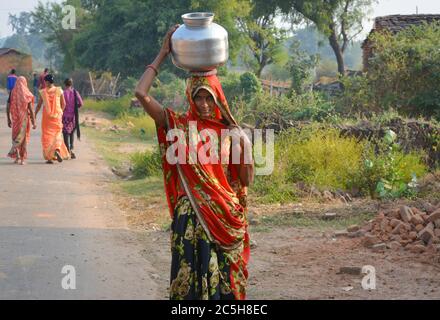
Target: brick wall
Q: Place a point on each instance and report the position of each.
(21, 62)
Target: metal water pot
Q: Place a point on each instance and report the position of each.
(199, 44)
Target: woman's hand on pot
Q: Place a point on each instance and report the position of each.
(166, 45)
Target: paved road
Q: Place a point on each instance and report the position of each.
(57, 215)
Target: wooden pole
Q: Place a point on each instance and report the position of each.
(115, 84)
(91, 83)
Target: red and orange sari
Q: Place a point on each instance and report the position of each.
(52, 125)
(210, 241)
(20, 117)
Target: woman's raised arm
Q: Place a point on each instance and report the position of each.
(151, 106)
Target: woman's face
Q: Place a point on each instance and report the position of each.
(48, 84)
(205, 103)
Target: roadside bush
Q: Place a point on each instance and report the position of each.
(322, 158)
(231, 86)
(114, 107)
(250, 85)
(127, 86)
(388, 172)
(146, 164)
(170, 94)
(273, 190)
(280, 112)
(403, 73)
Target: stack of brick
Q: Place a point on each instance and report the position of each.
(410, 228)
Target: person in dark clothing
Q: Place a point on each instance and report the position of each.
(12, 79)
(35, 87)
(70, 116)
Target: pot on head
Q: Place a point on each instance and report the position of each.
(199, 45)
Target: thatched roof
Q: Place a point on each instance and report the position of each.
(397, 23)
(4, 51)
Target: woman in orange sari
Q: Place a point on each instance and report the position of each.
(20, 113)
(207, 200)
(51, 125)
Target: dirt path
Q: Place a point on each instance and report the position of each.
(83, 227)
(303, 263)
(298, 263)
(62, 214)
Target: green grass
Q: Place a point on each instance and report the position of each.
(147, 188)
(301, 220)
(111, 146)
(140, 125)
(108, 142)
(114, 107)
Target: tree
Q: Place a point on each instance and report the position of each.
(263, 38)
(340, 20)
(301, 66)
(27, 41)
(45, 21)
(18, 42)
(249, 22)
(250, 85)
(20, 23)
(125, 35)
(403, 74)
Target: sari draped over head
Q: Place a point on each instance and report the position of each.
(52, 125)
(216, 196)
(19, 101)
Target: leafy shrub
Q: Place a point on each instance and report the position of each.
(146, 164)
(114, 107)
(403, 73)
(324, 159)
(250, 85)
(231, 86)
(301, 66)
(171, 93)
(128, 85)
(273, 190)
(283, 110)
(390, 173)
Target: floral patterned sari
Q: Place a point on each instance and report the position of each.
(210, 241)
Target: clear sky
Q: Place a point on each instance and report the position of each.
(13, 7)
(385, 7)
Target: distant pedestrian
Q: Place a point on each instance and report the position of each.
(12, 79)
(35, 87)
(52, 100)
(41, 81)
(71, 116)
(20, 114)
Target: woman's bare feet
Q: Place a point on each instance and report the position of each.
(22, 162)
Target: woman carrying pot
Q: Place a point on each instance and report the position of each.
(207, 199)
